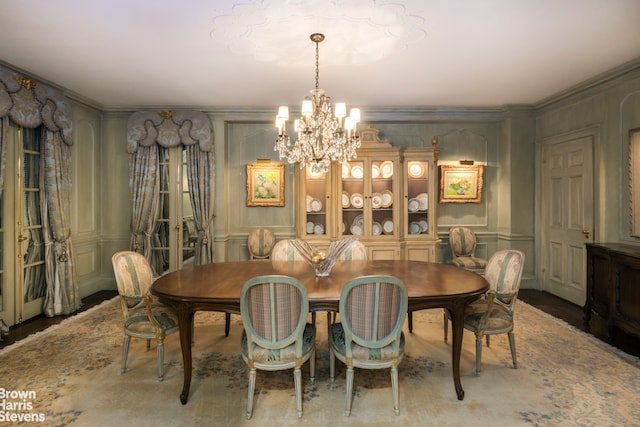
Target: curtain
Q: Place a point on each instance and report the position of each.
(31, 104)
(200, 174)
(144, 185)
(63, 295)
(149, 129)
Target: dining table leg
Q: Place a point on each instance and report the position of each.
(456, 312)
(185, 319)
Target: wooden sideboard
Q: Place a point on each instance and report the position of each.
(613, 290)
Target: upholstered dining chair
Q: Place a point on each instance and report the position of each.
(462, 241)
(283, 250)
(276, 333)
(493, 313)
(260, 243)
(144, 316)
(356, 251)
(369, 334)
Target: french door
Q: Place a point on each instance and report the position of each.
(175, 235)
(22, 255)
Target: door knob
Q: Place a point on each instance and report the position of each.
(585, 233)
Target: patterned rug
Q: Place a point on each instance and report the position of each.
(70, 375)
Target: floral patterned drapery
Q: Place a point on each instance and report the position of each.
(31, 104)
(192, 129)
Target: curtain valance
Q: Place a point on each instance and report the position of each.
(30, 103)
(169, 129)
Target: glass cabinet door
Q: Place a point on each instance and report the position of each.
(317, 204)
(382, 197)
(352, 198)
(417, 194)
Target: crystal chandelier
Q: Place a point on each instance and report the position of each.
(323, 135)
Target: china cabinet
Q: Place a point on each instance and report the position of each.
(385, 197)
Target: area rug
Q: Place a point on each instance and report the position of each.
(70, 375)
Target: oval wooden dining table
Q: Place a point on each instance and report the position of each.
(217, 286)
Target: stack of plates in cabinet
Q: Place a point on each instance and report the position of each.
(313, 205)
(417, 227)
(346, 200)
(423, 201)
(315, 228)
(357, 225)
(357, 201)
(387, 199)
(376, 200)
(387, 226)
(376, 228)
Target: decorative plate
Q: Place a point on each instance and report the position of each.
(357, 172)
(310, 226)
(356, 230)
(346, 170)
(416, 169)
(424, 225)
(414, 227)
(376, 228)
(316, 205)
(357, 200)
(387, 226)
(308, 200)
(318, 228)
(359, 219)
(414, 205)
(376, 200)
(386, 168)
(346, 200)
(375, 171)
(387, 198)
(423, 198)
(314, 174)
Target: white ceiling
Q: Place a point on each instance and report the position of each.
(223, 53)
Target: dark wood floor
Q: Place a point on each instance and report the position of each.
(551, 304)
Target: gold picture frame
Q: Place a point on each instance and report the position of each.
(461, 183)
(265, 184)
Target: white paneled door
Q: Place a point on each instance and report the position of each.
(22, 270)
(567, 216)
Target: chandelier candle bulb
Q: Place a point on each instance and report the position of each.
(341, 110)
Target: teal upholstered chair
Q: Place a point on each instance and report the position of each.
(276, 334)
(493, 314)
(462, 241)
(144, 316)
(369, 334)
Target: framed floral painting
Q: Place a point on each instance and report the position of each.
(265, 184)
(461, 183)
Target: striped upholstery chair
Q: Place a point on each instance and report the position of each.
(260, 243)
(493, 314)
(276, 333)
(463, 246)
(369, 334)
(144, 316)
(357, 251)
(285, 251)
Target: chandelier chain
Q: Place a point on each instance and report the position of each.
(317, 65)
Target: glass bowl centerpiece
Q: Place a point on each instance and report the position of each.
(322, 261)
